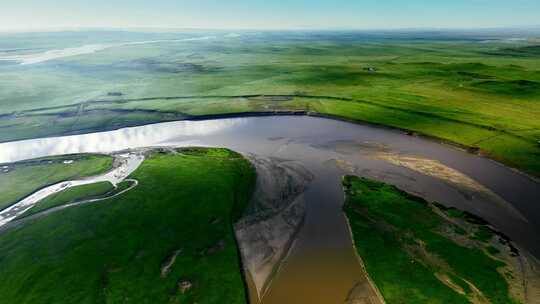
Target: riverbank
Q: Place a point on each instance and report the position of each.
(415, 250)
(133, 245)
(273, 218)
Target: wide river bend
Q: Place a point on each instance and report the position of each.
(321, 266)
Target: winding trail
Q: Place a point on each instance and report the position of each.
(125, 165)
(18, 222)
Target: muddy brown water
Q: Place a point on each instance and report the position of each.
(321, 266)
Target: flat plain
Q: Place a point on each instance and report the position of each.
(168, 238)
(480, 91)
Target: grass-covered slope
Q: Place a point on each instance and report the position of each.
(168, 240)
(416, 255)
(25, 177)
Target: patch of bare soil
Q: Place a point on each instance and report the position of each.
(362, 293)
(467, 186)
(169, 262)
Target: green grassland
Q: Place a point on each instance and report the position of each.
(71, 195)
(477, 93)
(25, 177)
(415, 255)
(174, 228)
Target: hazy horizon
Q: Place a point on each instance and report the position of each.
(261, 15)
(247, 29)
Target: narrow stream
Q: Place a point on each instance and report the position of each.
(322, 267)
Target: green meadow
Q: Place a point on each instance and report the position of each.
(25, 177)
(415, 255)
(479, 92)
(168, 240)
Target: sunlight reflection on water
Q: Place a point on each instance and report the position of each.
(136, 137)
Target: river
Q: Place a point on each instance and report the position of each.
(321, 266)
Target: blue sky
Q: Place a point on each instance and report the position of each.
(268, 14)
